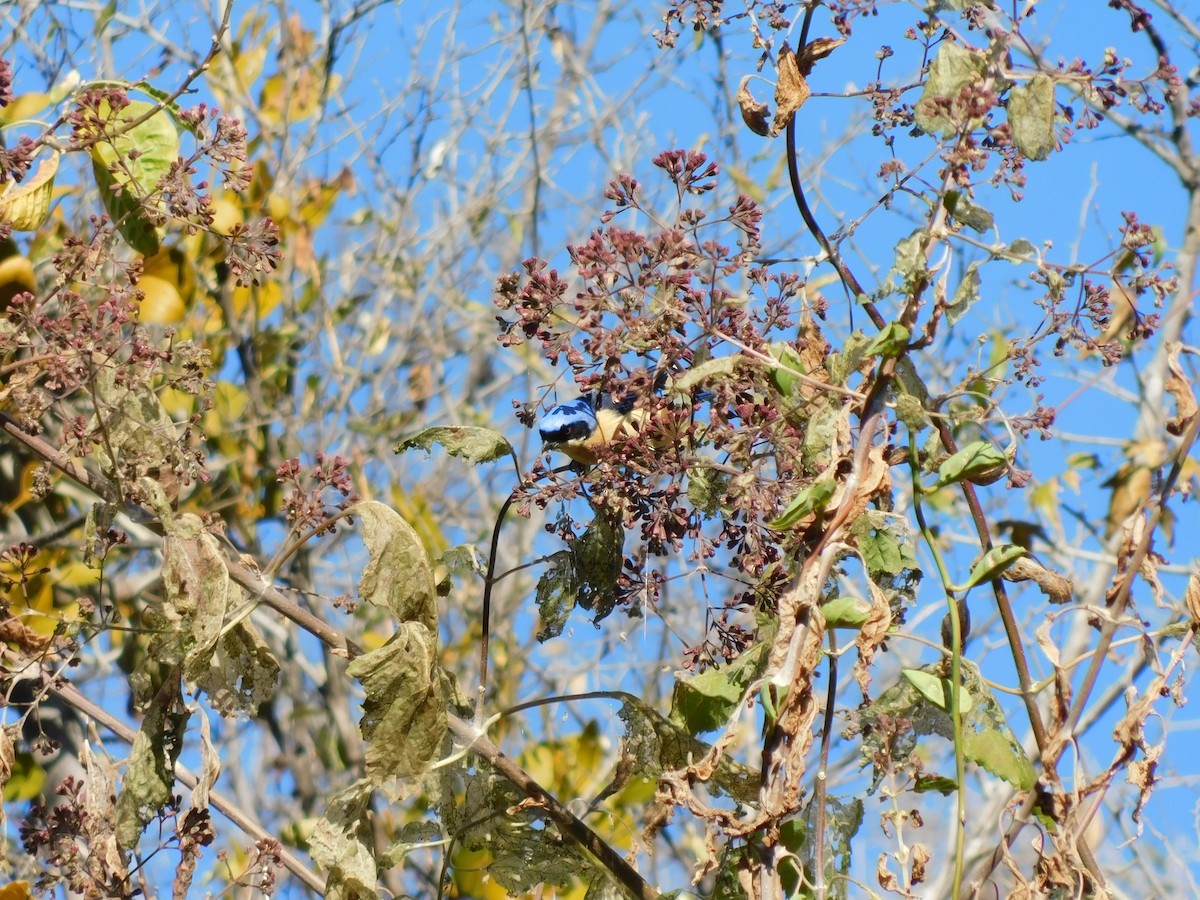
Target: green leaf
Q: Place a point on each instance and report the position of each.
(986, 738)
(813, 499)
(884, 551)
(889, 343)
(979, 462)
(598, 557)
(398, 576)
(943, 785)
(846, 612)
(991, 565)
(128, 164)
(1031, 115)
(404, 716)
(938, 111)
(977, 218)
(473, 443)
(784, 375)
(706, 701)
(937, 690)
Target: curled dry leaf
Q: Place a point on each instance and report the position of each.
(1180, 387)
(754, 112)
(790, 91)
(1057, 588)
(819, 48)
(1191, 598)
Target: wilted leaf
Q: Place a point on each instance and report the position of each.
(791, 90)
(25, 206)
(1057, 588)
(475, 444)
(398, 577)
(1191, 598)
(706, 487)
(598, 554)
(1179, 386)
(709, 370)
(987, 739)
(100, 809)
(404, 716)
(555, 595)
(658, 745)
(136, 426)
(342, 843)
(706, 701)
(242, 672)
(149, 779)
(198, 592)
(754, 113)
(8, 756)
(965, 295)
(938, 111)
(1031, 115)
(817, 48)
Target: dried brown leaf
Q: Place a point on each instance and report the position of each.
(754, 112)
(872, 634)
(814, 50)
(791, 90)
(1191, 598)
(1057, 588)
(1180, 387)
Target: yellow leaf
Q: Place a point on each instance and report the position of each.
(226, 214)
(26, 207)
(1044, 499)
(17, 890)
(16, 277)
(24, 107)
(169, 284)
(256, 301)
(161, 303)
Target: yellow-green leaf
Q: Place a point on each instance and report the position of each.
(26, 206)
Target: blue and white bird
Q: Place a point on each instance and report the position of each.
(579, 428)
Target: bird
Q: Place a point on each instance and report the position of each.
(580, 427)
